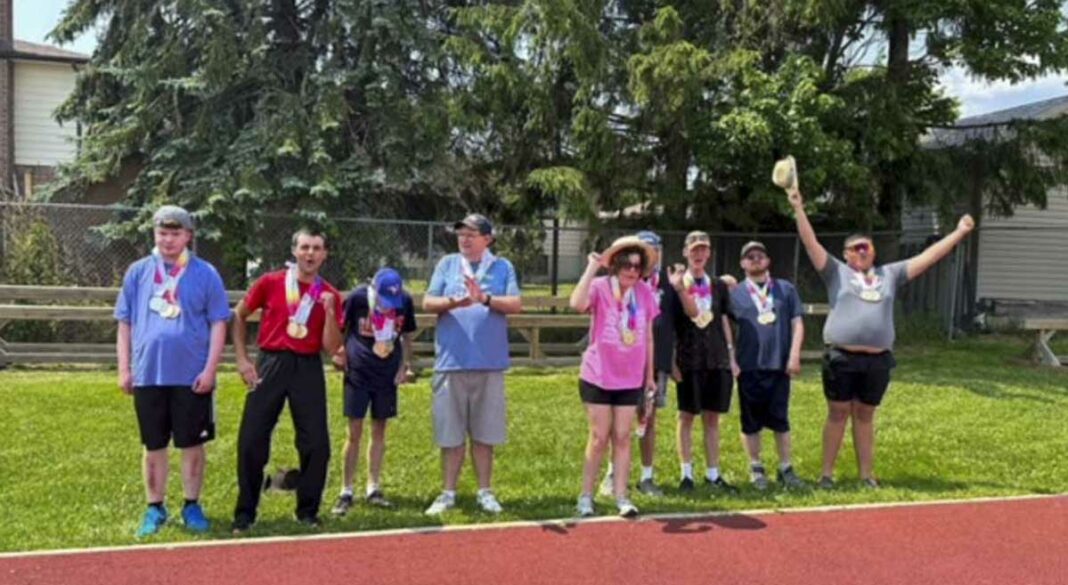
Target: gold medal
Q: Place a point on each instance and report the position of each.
(766, 318)
(703, 320)
(296, 330)
(872, 296)
(383, 349)
(629, 338)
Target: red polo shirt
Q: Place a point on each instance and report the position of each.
(269, 293)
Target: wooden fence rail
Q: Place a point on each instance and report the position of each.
(49, 303)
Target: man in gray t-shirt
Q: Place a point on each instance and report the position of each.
(859, 332)
(854, 319)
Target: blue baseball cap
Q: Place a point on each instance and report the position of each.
(649, 238)
(389, 287)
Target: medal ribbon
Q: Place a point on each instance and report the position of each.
(483, 266)
(166, 283)
(763, 297)
(701, 291)
(867, 280)
(654, 282)
(299, 307)
(627, 306)
(382, 322)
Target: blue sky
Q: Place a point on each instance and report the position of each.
(34, 18)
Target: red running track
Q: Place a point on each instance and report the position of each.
(1021, 542)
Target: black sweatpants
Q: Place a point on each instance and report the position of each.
(298, 378)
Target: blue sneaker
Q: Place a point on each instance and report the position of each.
(153, 520)
(193, 517)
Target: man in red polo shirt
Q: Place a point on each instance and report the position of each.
(301, 317)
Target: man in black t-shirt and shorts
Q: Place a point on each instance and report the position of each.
(704, 357)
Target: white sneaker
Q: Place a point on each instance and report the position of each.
(607, 488)
(584, 507)
(626, 508)
(442, 503)
(488, 502)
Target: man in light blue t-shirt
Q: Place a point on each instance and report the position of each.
(470, 292)
(172, 313)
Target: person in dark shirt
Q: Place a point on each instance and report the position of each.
(768, 313)
(376, 358)
(704, 357)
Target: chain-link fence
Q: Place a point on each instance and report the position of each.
(63, 244)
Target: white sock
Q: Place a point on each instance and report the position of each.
(756, 463)
(687, 470)
(484, 491)
(647, 473)
(712, 474)
(347, 491)
(784, 465)
(449, 494)
(372, 488)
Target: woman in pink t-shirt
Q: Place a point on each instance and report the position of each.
(617, 367)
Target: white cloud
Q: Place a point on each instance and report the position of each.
(980, 97)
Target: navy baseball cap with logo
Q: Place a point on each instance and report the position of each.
(477, 222)
(389, 287)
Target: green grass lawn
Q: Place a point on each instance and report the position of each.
(962, 420)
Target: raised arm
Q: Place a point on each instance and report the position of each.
(580, 297)
(689, 304)
(816, 252)
(921, 262)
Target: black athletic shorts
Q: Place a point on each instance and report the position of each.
(174, 411)
(358, 397)
(764, 397)
(705, 390)
(591, 394)
(849, 376)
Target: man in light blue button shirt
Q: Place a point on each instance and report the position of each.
(471, 293)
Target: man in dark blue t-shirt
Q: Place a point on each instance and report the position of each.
(376, 358)
(770, 332)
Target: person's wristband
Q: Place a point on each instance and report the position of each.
(489, 298)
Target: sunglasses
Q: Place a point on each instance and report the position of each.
(630, 266)
(861, 247)
(756, 257)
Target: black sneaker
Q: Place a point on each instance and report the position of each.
(241, 525)
(870, 483)
(686, 484)
(759, 477)
(344, 502)
(721, 485)
(825, 483)
(310, 521)
(377, 498)
(788, 479)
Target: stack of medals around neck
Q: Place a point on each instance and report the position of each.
(627, 307)
(383, 324)
(869, 283)
(763, 297)
(702, 295)
(300, 307)
(165, 286)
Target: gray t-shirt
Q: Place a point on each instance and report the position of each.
(854, 320)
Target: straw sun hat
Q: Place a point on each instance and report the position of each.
(630, 242)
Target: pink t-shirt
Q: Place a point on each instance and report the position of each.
(608, 363)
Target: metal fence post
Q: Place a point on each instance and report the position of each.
(429, 252)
